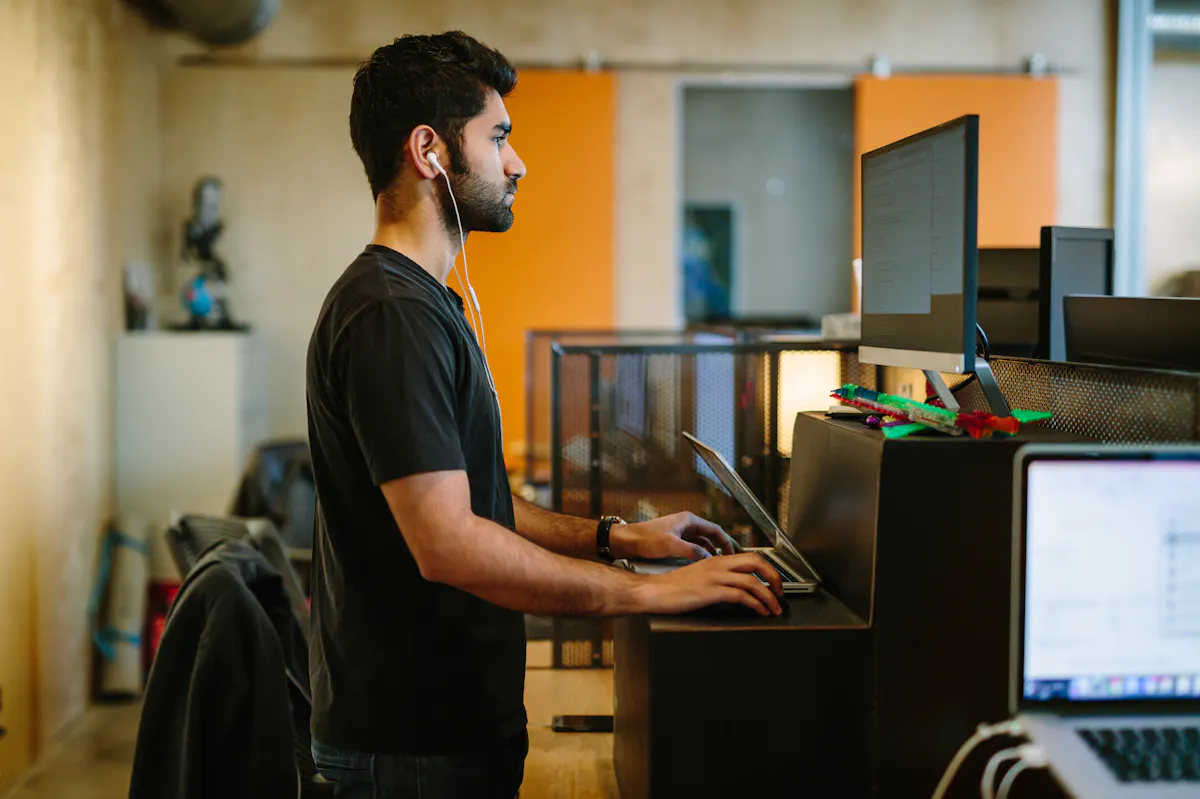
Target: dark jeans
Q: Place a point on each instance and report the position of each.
(492, 774)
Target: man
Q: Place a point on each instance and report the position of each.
(424, 562)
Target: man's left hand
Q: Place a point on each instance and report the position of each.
(680, 535)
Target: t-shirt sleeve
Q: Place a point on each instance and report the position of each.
(397, 375)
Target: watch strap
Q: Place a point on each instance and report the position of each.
(604, 537)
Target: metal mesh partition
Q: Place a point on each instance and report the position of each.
(617, 414)
(538, 410)
(617, 428)
(1122, 406)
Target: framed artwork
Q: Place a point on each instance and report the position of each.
(708, 248)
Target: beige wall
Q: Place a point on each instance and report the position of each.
(937, 33)
(78, 172)
(791, 248)
(266, 232)
(1173, 172)
(296, 204)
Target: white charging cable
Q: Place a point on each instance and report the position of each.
(993, 768)
(1028, 756)
(1011, 727)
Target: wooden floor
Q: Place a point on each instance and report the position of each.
(94, 760)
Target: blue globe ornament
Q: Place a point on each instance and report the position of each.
(197, 298)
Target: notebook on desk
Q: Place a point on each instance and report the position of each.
(798, 575)
(1106, 616)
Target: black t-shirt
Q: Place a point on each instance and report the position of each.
(397, 387)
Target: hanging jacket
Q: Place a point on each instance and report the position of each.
(228, 689)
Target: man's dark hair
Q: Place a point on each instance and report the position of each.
(441, 81)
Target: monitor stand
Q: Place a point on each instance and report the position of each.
(991, 390)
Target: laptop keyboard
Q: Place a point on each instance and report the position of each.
(1147, 754)
(787, 577)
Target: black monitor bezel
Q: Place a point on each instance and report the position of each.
(1018, 700)
(1048, 311)
(970, 125)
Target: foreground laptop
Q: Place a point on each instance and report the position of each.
(1106, 616)
(798, 576)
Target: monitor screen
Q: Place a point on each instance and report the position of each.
(1084, 265)
(737, 488)
(1134, 332)
(919, 208)
(1074, 261)
(1111, 606)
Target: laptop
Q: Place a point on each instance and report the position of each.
(798, 575)
(1105, 670)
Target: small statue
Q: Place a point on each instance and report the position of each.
(204, 297)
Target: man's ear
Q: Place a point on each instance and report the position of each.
(422, 141)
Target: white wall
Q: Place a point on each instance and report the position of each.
(793, 247)
(1173, 171)
(936, 33)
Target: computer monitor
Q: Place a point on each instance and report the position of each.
(919, 249)
(1009, 299)
(1145, 332)
(1106, 575)
(1075, 260)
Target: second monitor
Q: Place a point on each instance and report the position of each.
(1021, 290)
(919, 249)
(920, 208)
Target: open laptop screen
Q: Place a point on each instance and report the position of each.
(737, 487)
(745, 497)
(1111, 577)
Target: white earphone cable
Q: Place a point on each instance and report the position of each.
(473, 300)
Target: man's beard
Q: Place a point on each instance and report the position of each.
(480, 203)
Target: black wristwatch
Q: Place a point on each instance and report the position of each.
(603, 534)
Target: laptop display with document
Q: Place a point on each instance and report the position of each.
(1105, 670)
(798, 576)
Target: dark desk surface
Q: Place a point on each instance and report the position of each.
(803, 698)
(818, 611)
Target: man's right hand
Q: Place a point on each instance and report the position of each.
(727, 578)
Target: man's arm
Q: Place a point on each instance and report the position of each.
(681, 535)
(452, 545)
(557, 532)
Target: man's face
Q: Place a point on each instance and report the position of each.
(486, 188)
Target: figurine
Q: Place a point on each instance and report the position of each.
(204, 296)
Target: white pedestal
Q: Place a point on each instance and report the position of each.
(190, 407)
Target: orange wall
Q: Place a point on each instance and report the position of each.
(555, 267)
(1018, 143)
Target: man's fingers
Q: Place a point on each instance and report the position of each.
(686, 549)
(755, 587)
(737, 596)
(752, 562)
(700, 526)
(708, 544)
(696, 529)
(715, 534)
(728, 544)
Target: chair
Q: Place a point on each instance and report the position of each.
(191, 539)
(192, 535)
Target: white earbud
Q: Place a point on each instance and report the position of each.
(433, 162)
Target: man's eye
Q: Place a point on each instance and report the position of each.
(499, 141)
